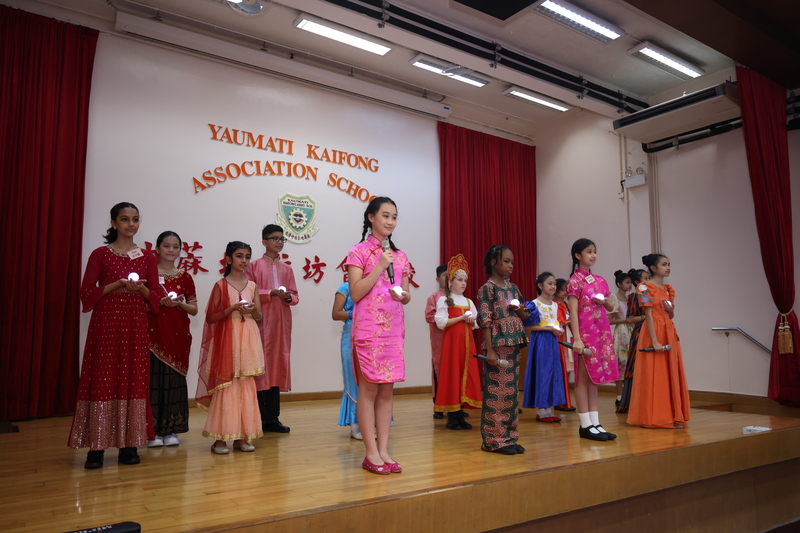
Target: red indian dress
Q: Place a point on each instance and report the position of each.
(170, 343)
(113, 406)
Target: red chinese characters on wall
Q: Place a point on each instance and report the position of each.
(188, 261)
(313, 270)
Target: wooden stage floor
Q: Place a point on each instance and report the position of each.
(311, 480)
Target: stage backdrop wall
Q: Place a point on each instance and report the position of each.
(149, 139)
(707, 225)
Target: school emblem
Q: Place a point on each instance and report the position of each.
(296, 217)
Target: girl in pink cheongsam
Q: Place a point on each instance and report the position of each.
(588, 298)
(378, 275)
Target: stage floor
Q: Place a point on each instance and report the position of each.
(314, 473)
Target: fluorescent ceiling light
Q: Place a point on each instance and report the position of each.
(342, 34)
(535, 98)
(450, 70)
(578, 20)
(666, 61)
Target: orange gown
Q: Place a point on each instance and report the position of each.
(659, 397)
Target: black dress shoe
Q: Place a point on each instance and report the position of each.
(519, 448)
(437, 415)
(452, 423)
(601, 429)
(562, 408)
(128, 456)
(511, 449)
(276, 427)
(586, 433)
(94, 459)
(466, 414)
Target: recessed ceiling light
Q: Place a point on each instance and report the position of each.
(666, 61)
(450, 70)
(343, 34)
(535, 98)
(579, 20)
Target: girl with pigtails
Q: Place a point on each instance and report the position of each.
(378, 330)
(588, 297)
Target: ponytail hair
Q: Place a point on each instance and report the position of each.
(229, 251)
(372, 209)
(111, 234)
(578, 247)
(651, 260)
(541, 278)
(620, 276)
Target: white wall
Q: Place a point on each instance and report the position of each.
(707, 225)
(149, 136)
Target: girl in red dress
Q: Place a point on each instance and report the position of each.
(170, 342)
(459, 383)
(113, 408)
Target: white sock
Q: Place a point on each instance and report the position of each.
(549, 412)
(595, 418)
(586, 421)
(619, 397)
(542, 413)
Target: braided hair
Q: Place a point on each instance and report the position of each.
(372, 209)
(229, 251)
(578, 247)
(111, 234)
(493, 256)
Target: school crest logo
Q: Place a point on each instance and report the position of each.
(296, 217)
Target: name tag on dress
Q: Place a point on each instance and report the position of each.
(135, 254)
(589, 279)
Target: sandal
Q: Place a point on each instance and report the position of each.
(383, 470)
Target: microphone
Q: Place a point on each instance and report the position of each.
(500, 362)
(390, 269)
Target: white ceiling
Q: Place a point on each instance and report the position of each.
(526, 32)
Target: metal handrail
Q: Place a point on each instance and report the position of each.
(726, 330)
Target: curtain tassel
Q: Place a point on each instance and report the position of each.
(785, 343)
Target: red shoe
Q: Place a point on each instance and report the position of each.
(548, 419)
(394, 468)
(383, 470)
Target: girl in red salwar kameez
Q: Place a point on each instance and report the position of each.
(113, 408)
(170, 342)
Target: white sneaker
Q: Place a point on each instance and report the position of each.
(171, 440)
(155, 443)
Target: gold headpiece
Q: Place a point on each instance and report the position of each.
(457, 263)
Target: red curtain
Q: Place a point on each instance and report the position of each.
(45, 77)
(763, 105)
(488, 196)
